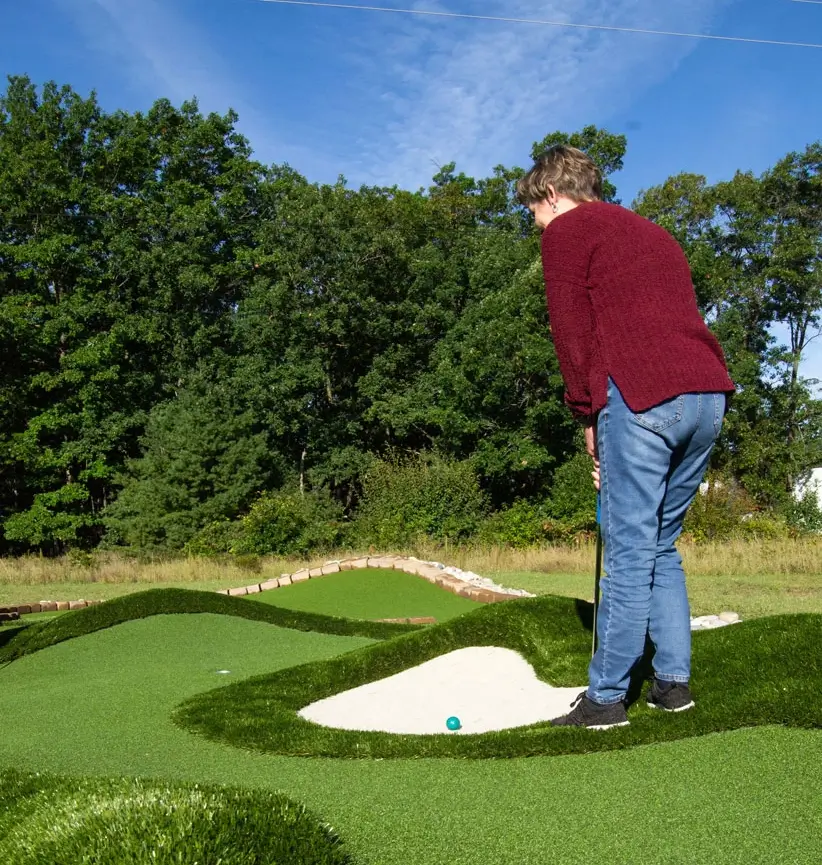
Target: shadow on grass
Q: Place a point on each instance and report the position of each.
(763, 672)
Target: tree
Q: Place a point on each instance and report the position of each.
(120, 252)
(205, 458)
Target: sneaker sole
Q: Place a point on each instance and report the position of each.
(607, 726)
(679, 709)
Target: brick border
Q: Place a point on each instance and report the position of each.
(13, 612)
(435, 574)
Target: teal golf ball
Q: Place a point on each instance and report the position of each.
(453, 723)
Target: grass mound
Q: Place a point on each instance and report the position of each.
(370, 593)
(46, 820)
(168, 601)
(767, 671)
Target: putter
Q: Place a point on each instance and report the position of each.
(597, 577)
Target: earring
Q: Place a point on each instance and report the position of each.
(554, 207)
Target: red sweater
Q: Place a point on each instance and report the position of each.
(621, 304)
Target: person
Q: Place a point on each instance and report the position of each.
(648, 380)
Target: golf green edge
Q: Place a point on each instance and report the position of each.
(744, 675)
(154, 602)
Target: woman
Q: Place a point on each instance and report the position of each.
(648, 381)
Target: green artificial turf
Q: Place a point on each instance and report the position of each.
(744, 676)
(75, 821)
(749, 797)
(369, 593)
(40, 635)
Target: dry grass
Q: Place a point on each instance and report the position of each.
(753, 577)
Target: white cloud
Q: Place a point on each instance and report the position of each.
(479, 91)
(161, 54)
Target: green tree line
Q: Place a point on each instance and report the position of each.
(188, 334)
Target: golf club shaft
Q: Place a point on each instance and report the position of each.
(597, 577)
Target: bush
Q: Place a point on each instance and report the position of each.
(215, 539)
(427, 497)
(573, 499)
(803, 515)
(287, 523)
(717, 512)
(523, 524)
(762, 527)
(47, 820)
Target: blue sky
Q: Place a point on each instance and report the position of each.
(386, 98)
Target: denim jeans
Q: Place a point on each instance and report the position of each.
(651, 466)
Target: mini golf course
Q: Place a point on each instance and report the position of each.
(165, 725)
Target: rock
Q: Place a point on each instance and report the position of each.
(77, 605)
(331, 568)
(24, 609)
(253, 589)
(305, 574)
(359, 563)
(285, 581)
(381, 562)
(241, 590)
(47, 606)
(269, 584)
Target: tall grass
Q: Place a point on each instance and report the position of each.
(730, 559)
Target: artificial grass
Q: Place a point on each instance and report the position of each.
(369, 593)
(744, 676)
(154, 602)
(749, 797)
(74, 821)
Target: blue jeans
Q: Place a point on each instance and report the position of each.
(651, 466)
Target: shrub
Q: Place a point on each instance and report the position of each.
(523, 524)
(717, 511)
(286, 523)
(425, 497)
(215, 539)
(803, 514)
(762, 527)
(573, 499)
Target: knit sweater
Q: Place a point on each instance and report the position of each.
(621, 304)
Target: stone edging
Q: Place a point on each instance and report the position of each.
(463, 583)
(12, 613)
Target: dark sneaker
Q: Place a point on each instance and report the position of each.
(595, 716)
(670, 696)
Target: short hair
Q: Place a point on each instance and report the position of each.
(571, 172)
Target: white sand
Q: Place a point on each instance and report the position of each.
(487, 688)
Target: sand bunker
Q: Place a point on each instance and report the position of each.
(487, 688)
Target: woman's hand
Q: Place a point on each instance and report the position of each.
(591, 447)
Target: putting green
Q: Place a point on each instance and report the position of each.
(100, 704)
(369, 593)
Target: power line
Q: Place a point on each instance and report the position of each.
(545, 23)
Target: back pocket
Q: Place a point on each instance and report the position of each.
(662, 416)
